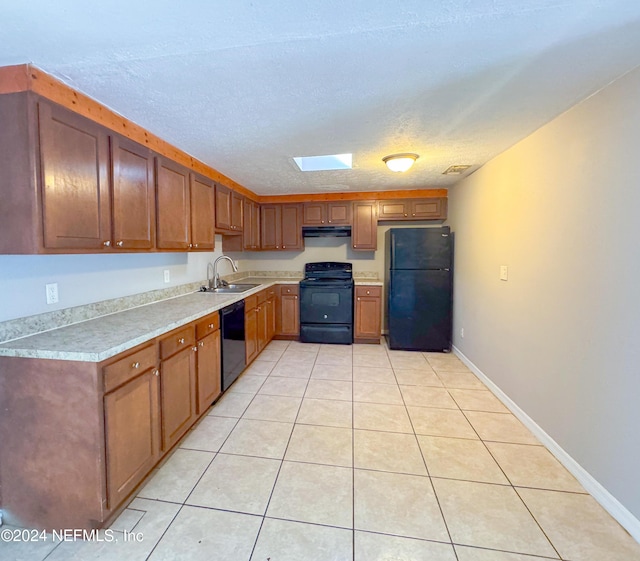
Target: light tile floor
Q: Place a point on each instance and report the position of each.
(355, 453)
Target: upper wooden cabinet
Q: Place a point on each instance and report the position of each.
(74, 159)
(173, 205)
(251, 229)
(202, 212)
(320, 213)
(281, 227)
(229, 209)
(413, 209)
(134, 197)
(364, 232)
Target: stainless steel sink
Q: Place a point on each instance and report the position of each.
(230, 289)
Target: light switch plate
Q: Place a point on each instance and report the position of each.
(504, 272)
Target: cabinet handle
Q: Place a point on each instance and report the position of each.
(181, 340)
(120, 243)
(135, 365)
(201, 344)
(211, 326)
(107, 243)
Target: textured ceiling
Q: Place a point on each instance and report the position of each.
(246, 85)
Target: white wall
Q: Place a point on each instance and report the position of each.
(84, 279)
(562, 336)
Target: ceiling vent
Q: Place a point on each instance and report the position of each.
(455, 170)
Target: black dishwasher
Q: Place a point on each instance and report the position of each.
(233, 351)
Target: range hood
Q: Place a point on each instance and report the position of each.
(326, 231)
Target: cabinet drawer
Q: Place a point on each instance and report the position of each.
(271, 293)
(176, 341)
(373, 291)
(124, 369)
(288, 289)
(262, 297)
(250, 302)
(207, 325)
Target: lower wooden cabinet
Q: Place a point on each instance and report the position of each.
(288, 312)
(368, 314)
(259, 322)
(209, 381)
(132, 434)
(251, 329)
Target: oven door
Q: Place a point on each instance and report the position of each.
(322, 302)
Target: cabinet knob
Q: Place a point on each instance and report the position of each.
(414, 214)
(284, 247)
(201, 344)
(358, 299)
(354, 245)
(190, 246)
(277, 247)
(135, 365)
(405, 215)
(322, 222)
(195, 245)
(181, 340)
(107, 243)
(295, 297)
(211, 326)
(156, 372)
(368, 292)
(120, 243)
(329, 221)
(194, 349)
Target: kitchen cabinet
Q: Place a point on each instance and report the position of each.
(281, 227)
(251, 229)
(287, 312)
(132, 421)
(318, 213)
(251, 328)
(74, 160)
(413, 209)
(177, 384)
(368, 314)
(262, 327)
(134, 197)
(208, 361)
(364, 232)
(185, 208)
(173, 205)
(270, 316)
(202, 213)
(229, 210)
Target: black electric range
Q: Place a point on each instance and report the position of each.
(326, 303)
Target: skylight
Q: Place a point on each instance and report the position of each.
(324, 163)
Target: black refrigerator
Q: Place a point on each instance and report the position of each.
(419, 288)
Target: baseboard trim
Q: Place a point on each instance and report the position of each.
(614, 507)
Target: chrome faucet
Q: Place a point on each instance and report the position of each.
(215, 282)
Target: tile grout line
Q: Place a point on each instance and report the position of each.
(444, 520)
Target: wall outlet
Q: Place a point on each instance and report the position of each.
(167, 275)
(462, 332)
(504, 272)
(52, 292)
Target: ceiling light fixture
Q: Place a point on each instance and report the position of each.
(400, 162)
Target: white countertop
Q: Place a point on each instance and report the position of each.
(101, 338)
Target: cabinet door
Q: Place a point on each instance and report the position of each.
(291, 227)
(339, 212)
(251, 229)
(173, 205)
(209, 381)
(202, 213)
(132, 432)
(368, 312)
(288, 312)
(223, 208)
(262, 326)
(236, 211)
(393, 210)
(269, 226)
(314, 214)
(428, 208)
(134, 197)
(251, 333)
(364, 234)
(178, 395)
(271, 318)
(74, 159)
